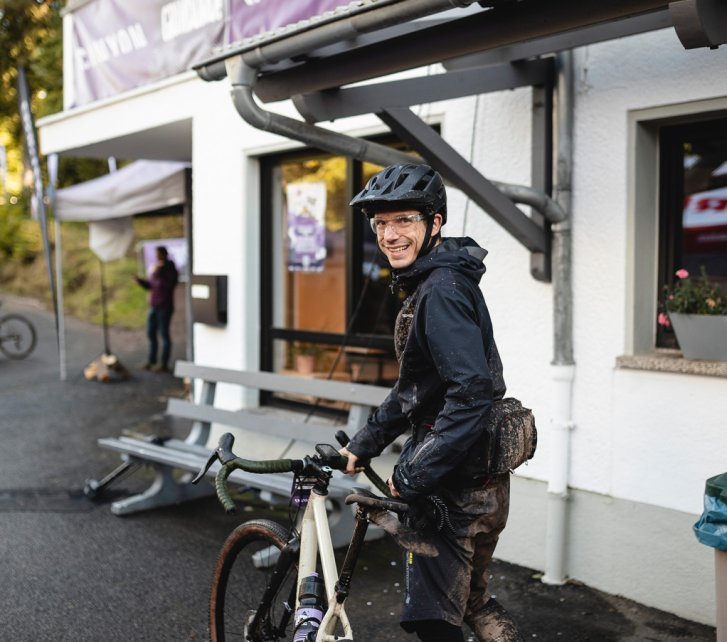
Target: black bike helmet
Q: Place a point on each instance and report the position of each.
(399, 187)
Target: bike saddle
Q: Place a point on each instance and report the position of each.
(365, 497)
(408, 539)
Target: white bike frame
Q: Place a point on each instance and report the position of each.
(315, 542)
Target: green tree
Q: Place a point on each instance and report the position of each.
(30, 35)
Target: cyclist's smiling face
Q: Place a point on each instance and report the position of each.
(400, 235)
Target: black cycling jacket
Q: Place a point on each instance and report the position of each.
(449, 373)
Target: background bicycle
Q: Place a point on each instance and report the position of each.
(17, 336)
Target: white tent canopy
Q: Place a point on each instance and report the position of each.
(141, 186)
(108, 203)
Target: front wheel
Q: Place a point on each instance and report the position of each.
(17, 336)
(243, 571)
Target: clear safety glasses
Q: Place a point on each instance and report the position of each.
(399, 223)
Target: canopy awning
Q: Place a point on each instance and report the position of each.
(141, 187)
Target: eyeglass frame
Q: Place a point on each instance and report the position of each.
(410, 218)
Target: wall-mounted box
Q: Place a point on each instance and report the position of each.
(209, 299)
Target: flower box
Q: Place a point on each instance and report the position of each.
(701, 336)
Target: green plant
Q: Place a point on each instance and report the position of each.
(19, 235)
(692, 296)
(306, 347)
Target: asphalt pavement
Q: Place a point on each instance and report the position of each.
(71, 570)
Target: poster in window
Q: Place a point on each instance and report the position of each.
(306, 226)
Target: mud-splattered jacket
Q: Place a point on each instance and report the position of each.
(449, 374)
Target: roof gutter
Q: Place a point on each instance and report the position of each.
(361, 17)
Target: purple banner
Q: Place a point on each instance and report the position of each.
(118, 45)
(121, 44)
(253, 17)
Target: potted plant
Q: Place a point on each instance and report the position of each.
(697, 310)
(306, 356)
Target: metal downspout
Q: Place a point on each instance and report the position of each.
(243, 77)
(563, 365)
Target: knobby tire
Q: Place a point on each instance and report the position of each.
(238, 586)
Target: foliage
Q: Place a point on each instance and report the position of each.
(31, 34)
(307, 348)
(692, 296)
(20, 238)
(126, 301)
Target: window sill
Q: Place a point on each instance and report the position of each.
(662, 360)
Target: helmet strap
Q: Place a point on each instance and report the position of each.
(429, 241)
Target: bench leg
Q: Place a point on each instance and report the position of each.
(165, 490)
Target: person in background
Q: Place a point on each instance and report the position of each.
(161, 283)
(449, 374)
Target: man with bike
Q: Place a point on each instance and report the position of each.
(449, 374)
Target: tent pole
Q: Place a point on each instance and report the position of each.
(106, 349)
(189, 321)
(61, 310)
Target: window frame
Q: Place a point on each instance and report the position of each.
(644, 240)
(671, 204)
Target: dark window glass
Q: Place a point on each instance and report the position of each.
(693, 205)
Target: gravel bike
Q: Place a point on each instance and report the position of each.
(266, 584)
(17, 336)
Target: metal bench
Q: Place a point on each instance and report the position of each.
(259, 424)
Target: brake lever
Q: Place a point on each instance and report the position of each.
(224, 448)
(223, 453)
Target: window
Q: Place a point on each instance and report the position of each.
(692, 204)
(327, 310)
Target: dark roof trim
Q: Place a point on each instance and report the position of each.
(509, 34)
(354, 101)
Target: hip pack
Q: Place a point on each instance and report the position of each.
(513, 436)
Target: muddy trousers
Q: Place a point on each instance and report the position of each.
(438, 631)
(452, 587)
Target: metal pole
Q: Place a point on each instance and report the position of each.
(106, 349)
(52, 161)
(59, 288)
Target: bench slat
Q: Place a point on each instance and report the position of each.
(170, 455)
(356, 393)
(263, 424)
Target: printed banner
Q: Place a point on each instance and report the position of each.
(118, 45)
(121, 44)
(253, 17)
(177, 249)
(31, 145)
(306, 226)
